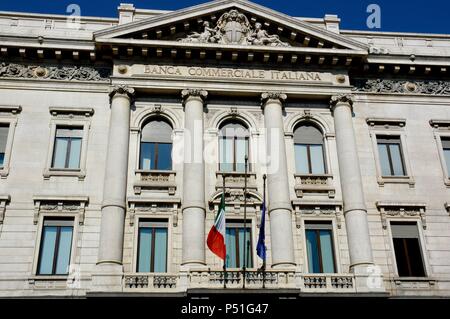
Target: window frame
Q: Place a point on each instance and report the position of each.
(390, 158)
(408, 178)
(335, 241)
(326, 164)
(139, 143)
(249, 225)
(156, 157)
(67, 156)
(331, 229)
(421, 239)
(10, 119)
(144, 216)
(152, 257)
(80, 172)
(234, 138)
(438, 137)
(74, 253)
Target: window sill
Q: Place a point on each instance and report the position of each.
(382, 180)
(81, 174)
(4, 172)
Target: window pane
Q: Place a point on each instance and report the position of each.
(4, 130)
(147, 156)
(415, 255)
(226, 154)
(47, 250)
(317, 163)
(241, 151)
(2, 159)
(447, 159)
(397, 162)
(64, 250)
(145, 244)
(384, 160)
(60, 153)
(301, 159)
(164, 156)
(245, 248)
(160, 250)
(312, 251)
(326, 247)
(75, 152)
(231, 261)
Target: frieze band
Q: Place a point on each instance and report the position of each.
(402, 86)
(66, 73)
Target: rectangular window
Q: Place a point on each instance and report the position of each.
(156, 156)
(408, 254)
(152, 246)
(67, 148)
(232, 152)
(4, 130)
(235, 245)
(56, 247)
(309, 159)
(446, 150)
(391, 158)
(319, 246)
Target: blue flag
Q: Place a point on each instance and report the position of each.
(261, 247)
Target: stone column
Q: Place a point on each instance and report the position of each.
(355, 211)
(115, 185)
(280, 208)
(194, 206)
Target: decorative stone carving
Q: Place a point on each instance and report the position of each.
(342, 98)
(49, 72)
(233, 27)
(317, 209)
(153, 206)
(60, 205)
(406, 210)
(402, 86)
(202, 94)
(273, 96)
(122, 90)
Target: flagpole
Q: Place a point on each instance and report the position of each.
(245, 222)
(264, 203)
(225, 259)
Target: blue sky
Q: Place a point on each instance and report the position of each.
(430, 16)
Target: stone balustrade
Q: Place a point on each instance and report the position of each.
(214, 279)
(314, 184)
(155, 180)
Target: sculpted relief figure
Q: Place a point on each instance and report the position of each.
(262, 37)
(209, 35)
(233, 27)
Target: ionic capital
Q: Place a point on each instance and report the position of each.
(199, 93)
(344, 98)
(123, 90)
(277, 96)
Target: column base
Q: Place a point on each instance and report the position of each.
(107, 278)
(368, 278)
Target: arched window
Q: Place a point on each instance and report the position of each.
(156, 146)
(233, 147)
(309, 150)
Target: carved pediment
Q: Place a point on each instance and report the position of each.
(228, 23)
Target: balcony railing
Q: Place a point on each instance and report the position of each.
(214, 279)
(155, 180)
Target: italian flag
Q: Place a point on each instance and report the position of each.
(216, 236)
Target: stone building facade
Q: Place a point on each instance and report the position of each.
(351, 128)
